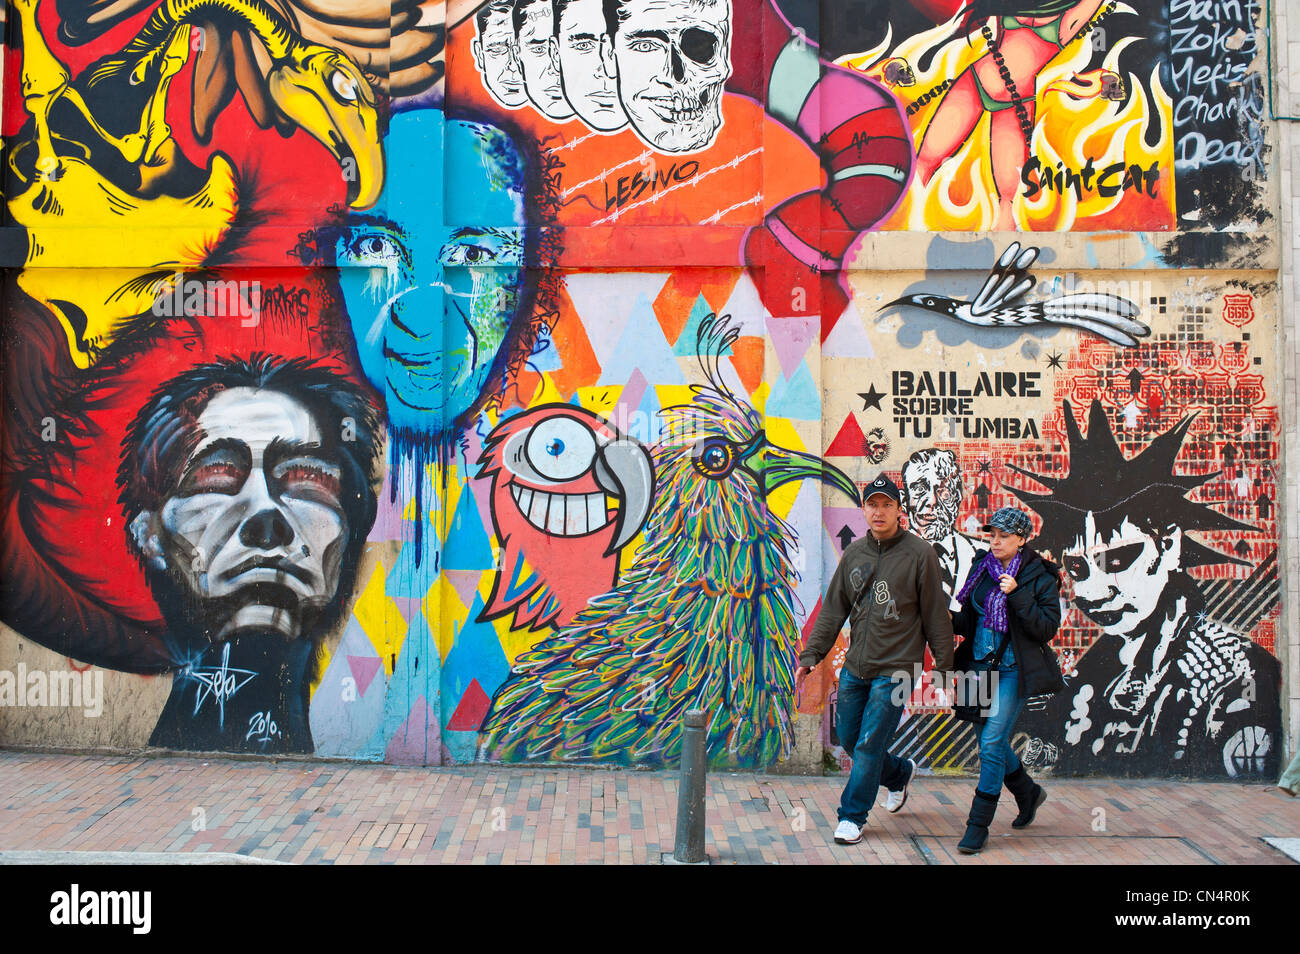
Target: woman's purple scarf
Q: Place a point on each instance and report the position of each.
(995, 607)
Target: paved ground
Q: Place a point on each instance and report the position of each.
(331, 813)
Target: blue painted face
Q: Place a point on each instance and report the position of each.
(432, 281)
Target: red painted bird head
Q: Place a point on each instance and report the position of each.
(568, 492)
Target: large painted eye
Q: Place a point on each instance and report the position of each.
(309, 477)
(714, 457)
(345, 87)
(373, 247)
(1077, 567)
(561, 448)
(217, 477)
(222, 470)
(1118, 559)
(468, 255)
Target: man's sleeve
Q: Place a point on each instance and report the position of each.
(936, 622)
(834, 611)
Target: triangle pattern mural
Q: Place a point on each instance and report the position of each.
(849, 440)
(791, 338)
(848, 339)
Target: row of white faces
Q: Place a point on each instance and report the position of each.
(662, 71)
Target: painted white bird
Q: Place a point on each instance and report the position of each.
(997, 304)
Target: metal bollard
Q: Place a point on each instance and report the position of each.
(689, 846)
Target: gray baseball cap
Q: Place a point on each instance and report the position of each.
(1010, 520)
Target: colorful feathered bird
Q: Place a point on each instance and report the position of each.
(703, 618)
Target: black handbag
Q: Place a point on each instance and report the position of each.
(976, 689)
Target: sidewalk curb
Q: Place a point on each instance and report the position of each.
(131, 858)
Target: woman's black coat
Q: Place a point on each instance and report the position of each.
(1033, 617)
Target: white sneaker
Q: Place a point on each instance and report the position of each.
(847, 833)
(895, 799)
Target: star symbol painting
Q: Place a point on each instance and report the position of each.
(871, 398)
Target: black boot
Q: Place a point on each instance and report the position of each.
(1029, 795)
(982, 809)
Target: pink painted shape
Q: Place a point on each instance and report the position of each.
(844, 95)
(363, 671)
(848, 339)
(465, 583)
(418, 740)
(810, 116)
(791, 338)
(835, 518)
(630, 398)
(388, 519)
(406, 605)
(480, 488)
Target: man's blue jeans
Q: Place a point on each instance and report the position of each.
(997, 758)
(866, 719)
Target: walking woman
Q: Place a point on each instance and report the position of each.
(1010, 610)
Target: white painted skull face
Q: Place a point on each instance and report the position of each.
(933, 489)
(1120, 578)
(672, 58)
(255, 531)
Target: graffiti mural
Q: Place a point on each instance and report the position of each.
(1077, 114)
(932, 495)
(553, 470)
(1199, 697)
(248, 511)
(497, 381)
(1150, 469)
(658, 66)
(703, 618)
(998, 303)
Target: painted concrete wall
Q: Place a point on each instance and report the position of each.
(508, 391)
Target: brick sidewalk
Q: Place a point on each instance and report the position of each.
(332, 813)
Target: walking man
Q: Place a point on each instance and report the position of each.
(889, 587)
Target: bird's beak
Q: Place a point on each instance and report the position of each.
(898, 303)
(326, 95)
(773, 466)
(624, 470)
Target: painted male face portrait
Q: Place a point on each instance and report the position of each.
(933, 493)
(672, 60)
(1120, 577)
(255, 531)
(432, 300)
(541, 69)
(588, 85)
(497, 60)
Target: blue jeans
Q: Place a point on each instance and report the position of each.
(866, 719)
(997, 758)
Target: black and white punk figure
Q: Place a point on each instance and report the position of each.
(999, 304)
(1165, 689)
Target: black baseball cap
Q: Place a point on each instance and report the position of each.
(882, 485)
